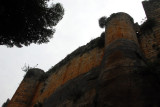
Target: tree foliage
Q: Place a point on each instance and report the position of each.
(102, 21)
(23, 22)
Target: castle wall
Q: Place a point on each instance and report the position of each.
(118, 83)
(115, 82)
(152, 10)
(77, 66)
(120, 56)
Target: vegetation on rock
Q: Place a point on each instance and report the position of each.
(102, 21)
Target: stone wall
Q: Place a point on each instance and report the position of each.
(36, 86)
(75, 67)
(115, 82)
(152, 10)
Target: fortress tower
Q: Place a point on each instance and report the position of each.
(121, 44)
(122, 56)
(26, 90)
(120, 26)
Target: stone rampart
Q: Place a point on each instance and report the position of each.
(72, 69)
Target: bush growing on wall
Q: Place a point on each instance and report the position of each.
(102, 21)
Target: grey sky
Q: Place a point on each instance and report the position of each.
(78, 27)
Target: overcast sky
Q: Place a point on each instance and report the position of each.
(78, 26)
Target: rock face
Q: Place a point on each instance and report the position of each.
(104, 73)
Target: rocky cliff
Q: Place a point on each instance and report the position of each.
(110, 71)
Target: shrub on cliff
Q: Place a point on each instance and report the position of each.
(102, 21)
(26, 68)
(23, 22)
(29, 70)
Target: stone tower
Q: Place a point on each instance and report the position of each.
(121, 44)
(121, 57)
(26, 90)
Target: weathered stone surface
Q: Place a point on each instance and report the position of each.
(77, 92)
(75, 67)
(122, 52)
(126, 89)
